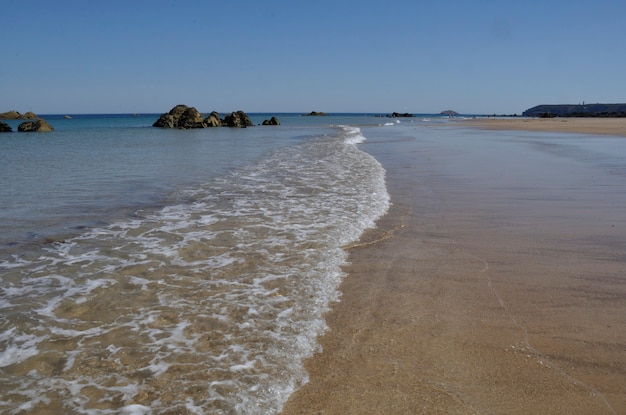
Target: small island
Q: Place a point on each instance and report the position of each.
(449, 113)
(315, 114)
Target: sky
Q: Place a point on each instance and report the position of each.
(474, 57)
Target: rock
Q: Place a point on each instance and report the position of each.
(14, 115)
(34, 126)
(213, 120)
(315, 114)
(165, 121)
(172, 118)
(238, 119)
(398, 115)
(190, 118)
(182, 116)
(5, 128)
(271, 121)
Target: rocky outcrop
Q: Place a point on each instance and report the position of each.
(171, 119)
(14, 115)
(315, 114)
(399, 115)
(238, 119)
(5, 128)
(34, 126)
(271, 121)
(182, 116)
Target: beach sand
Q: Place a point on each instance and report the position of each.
(495, 285)
(603, 126)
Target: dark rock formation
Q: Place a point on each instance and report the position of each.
(170, 119)
(182, 116)
(315, 114)
(238, 119)
(5, 128)
(271, 121)
(190, 118)
(14, 115)
(34, 126)
(398, 115)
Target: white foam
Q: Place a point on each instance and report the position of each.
(252, 264)
(136, 409)
(19, 346)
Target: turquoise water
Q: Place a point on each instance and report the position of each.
(147, 270)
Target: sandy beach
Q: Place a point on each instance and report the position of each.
(603, 126)
(496, 284)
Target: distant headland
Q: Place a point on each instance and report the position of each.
(578, 110)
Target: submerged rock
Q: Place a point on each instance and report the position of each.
(34, 126)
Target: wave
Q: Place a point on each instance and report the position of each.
(213, 303)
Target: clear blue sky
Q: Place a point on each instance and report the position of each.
(295, 56)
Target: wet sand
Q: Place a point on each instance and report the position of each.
(495, 285)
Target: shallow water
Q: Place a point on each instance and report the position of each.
(164, 271)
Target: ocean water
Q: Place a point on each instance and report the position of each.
(147, 270)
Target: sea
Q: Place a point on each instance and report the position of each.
(167, 271)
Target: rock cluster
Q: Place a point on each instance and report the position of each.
(14, 115)
(182, 116)
(27, 127)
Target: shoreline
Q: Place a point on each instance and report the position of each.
(481, 290)
(602, 126)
